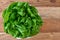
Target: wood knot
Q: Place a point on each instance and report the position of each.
(53, 1)
(37, 0)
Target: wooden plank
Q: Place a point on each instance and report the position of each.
(39, 36)
(44, 3)
(50, 16)
(50, 25)
(49, 12)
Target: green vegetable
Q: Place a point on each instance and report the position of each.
(21, 20)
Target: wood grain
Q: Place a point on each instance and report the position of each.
(43, 3)
(40, 36)
(50, 16)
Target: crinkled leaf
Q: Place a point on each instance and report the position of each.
(21, 20)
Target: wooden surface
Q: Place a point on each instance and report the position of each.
(40, 36)
(50, 15)
(43, 3)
